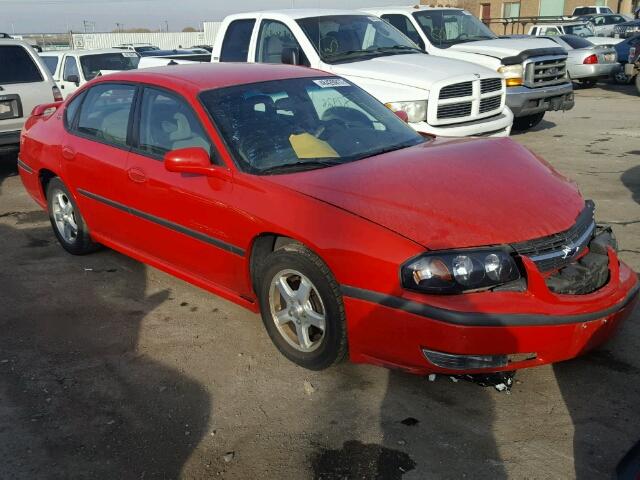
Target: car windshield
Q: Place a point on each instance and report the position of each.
(340, 38)
(576, 42)
(581, 30)
(147, 48)
(285, 126)
(444, 28)
(51, 63)
(93, 64)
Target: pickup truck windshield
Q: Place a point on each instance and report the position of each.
(93, 64)
(341, 38)
(445, 28)
(299, 124)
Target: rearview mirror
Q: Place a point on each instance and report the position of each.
(73, 79)
(194, 160)
(290, 56)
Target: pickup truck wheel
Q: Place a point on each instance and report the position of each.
(638, 83)
(302, 308)
(66, 220)
(622, 78)
(522, 124)
(588, 83)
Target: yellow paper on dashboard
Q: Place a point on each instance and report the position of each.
(306, 145)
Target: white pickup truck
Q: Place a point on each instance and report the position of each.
(440, 96)
(535, 68)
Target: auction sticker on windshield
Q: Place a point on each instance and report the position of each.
(331, 82)
(129, 54)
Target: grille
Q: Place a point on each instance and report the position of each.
(541, 73)
(488, 104)
(490, 85)
(558, 250)
(457, 90)
(454, 110)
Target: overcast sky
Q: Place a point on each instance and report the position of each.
(44, 16)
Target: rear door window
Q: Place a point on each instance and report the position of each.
(235, 46)
(51, 63)
(17, 66)
(106, 113)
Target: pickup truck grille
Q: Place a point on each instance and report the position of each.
(468, 101)
(545, 71)
(558, 250)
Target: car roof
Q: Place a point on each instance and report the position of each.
(197, 77)
(407, 8)
(298, 13)
(81, 53)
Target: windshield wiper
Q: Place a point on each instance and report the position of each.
(302, 165)
(374, 51)
(401, 48)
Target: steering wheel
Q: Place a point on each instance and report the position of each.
(329, 44)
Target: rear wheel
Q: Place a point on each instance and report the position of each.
(68, 225)
(622, 78)
(521, 124)
(638, 83)
(302, 308)
(588, 83)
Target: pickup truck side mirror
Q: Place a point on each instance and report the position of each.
(290, 56)
(73, 79)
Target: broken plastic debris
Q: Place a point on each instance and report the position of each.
(229, 456)
(432, 377)
(308, 387)
(454, 379)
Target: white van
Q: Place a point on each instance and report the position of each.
(25, 83)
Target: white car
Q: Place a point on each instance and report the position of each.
(439, 96)
(590, 10)
(73, 68)
(25, 83)
(579, 29)
(137, 47)
(535, 69)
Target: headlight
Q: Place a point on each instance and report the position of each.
(460, 270)
(416, 110)
(513, 74)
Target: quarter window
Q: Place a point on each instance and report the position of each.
(273, 39)
(168, 123)
(235, 47)
(105, 113)
(72, 109)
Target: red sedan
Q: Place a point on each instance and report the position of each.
(294, 193)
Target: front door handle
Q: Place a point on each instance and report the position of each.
(137, 175)
(68, 153)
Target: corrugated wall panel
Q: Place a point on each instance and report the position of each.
(169, 40)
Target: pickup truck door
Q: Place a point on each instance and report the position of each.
(70, 73)
(236, 42)
(273, 38)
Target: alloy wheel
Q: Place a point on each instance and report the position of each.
(64, 216)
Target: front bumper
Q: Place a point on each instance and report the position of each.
(525, 101)
(600, 70)
(497, 126)
(534, 327)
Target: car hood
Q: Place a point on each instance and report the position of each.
(450, 193)
(504, 47)
(415, 69)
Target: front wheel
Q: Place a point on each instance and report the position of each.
(621, 78)
(521, 124)
(302, 308)
(68, 225)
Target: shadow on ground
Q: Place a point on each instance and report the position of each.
(77, 400)
(631, 179)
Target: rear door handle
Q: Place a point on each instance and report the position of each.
(137, 175)
(68, 153)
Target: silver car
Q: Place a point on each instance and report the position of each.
(603, 24)
(587, 62)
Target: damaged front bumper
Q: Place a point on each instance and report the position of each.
(552, 317)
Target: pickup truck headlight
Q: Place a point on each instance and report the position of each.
(457, 271)
(514, 74)
(416, 110)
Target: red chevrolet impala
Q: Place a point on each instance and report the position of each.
(294, 193)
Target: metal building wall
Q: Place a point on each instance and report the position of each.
(169, 40)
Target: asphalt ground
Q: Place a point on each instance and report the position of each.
(112, 369)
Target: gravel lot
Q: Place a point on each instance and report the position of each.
(111, 369)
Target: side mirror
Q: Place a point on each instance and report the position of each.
(402, 115)
(193, 160)
(73, 79)
(290, 56)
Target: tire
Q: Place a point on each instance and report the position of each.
(522, 124)
(319, 348)
(621, 78)
(588, 83)
(638, 84)
(66, 220)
